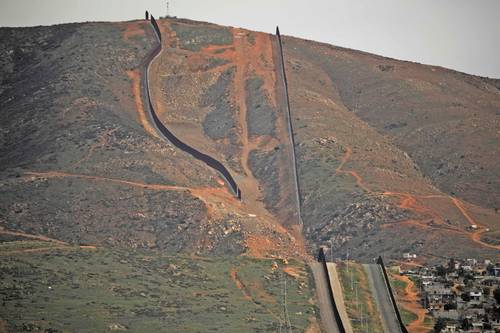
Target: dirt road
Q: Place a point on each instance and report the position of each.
(411, 303)
(382, 298)
(339, 296)
(324, 302)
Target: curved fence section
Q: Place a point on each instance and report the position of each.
(393, 300)
(157, 29)
(290, 127)
(336, 313)
(166, 133)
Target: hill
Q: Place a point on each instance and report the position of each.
(392, 157)
(395, 156)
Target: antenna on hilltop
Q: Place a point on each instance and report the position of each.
(168, 8)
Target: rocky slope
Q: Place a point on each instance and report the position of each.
(97, 210)
(395, 156)
(385, 147)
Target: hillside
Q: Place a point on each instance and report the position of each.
(392, 157)
(395, 156)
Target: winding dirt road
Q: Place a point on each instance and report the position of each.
(58, 245)
(410, 201)
(411, 303)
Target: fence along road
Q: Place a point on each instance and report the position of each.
(330, 316)
(324, 302)
(168, 135)
(339, 296)
(382, 298)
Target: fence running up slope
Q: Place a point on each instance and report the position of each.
(166, 133)
(290, 128)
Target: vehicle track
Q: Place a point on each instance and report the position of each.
(58, 244)
(4, 231)
(59, 174)
(409, 201)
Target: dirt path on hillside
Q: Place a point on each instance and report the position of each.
(59, 174)
(234, 276)
(411, 303)
(247, 58)
(357, 177)
(410, 202)
(237, 55)
(135, 29)
(4, 231)
(45, 249)
(58, 243)
(248, 61)
(219, 201)
(249, 184)
(262, 295)
(211, 196)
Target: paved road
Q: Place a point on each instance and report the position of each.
(325, 304)
(382, 298)
(339, 296)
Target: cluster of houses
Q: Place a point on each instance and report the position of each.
(464, 296)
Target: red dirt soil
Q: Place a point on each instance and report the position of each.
(410, 301)
(258, 289)
(133, 29)
(239, 284)
(135, 78)
(218, 201)
(247, 59)
(411, 202)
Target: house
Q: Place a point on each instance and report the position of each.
(450, 329)
(447, 315)
(472, 262)
(426, 283)
(477, 326)
(437, 296)
(427, 280)
(461, 291)
(490, 282)
(495, 324)
(476, 296)
(409, 256)
(474, 314)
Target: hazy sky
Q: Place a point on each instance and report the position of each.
(459, 34)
